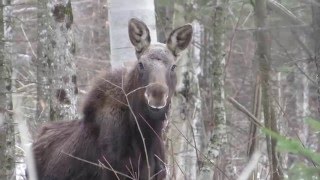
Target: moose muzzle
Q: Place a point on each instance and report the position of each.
(157, 95)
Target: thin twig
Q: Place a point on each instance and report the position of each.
(95, 164)
(25, 35)
(202, 155)
(140, 131)
(104, 158)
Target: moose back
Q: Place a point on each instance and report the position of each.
(122, 107)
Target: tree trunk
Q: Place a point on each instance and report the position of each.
(253, 140)
(263, 58)
(218, 137)
(120, 12)
(302, 87)
(56, 77)
(187, 122)
(64, 84)
(44, 63)
(7, 135)
(316, 37)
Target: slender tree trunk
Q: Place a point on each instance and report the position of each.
(7, 136)
(218, 137)
(303, 93)
(253, 140)
(263, 58)
(44, 63)
(56, 76)
(316, 37)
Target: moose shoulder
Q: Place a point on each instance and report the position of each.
(122, 107)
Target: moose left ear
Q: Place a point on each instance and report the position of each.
(179, 39)
(139, 34)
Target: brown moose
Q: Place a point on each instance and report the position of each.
(122, 107)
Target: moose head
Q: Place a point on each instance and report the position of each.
(157, 62)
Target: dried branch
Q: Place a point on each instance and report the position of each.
(284, 12)
(29, 43)
(241, 108)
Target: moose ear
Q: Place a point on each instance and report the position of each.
(179, 39)
(139, 34)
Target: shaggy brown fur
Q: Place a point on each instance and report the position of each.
(108, 133)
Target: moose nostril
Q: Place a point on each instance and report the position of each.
(159, 92)
(157, 96)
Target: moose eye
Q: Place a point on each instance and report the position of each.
(141, 66)
(173, 67)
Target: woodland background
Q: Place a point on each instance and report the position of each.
(248, 101)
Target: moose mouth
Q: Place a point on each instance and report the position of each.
(155, 109)
(155, 105)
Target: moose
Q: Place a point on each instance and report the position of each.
(119, 135)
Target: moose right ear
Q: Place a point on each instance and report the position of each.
(179, 39)
(139, 35)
